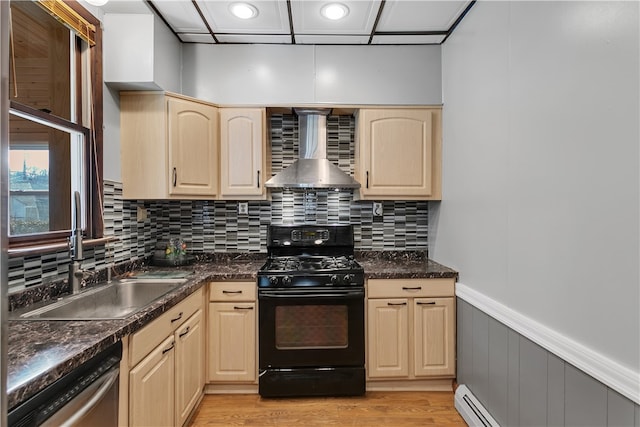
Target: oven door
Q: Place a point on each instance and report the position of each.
(311, 327)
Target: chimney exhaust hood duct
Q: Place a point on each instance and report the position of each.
(312, 169)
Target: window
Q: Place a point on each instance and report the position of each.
(55, 121)
(29, 190)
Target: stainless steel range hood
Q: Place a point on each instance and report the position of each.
(312, 169)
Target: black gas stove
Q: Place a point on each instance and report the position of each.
(311, 309)
(310, 256)
(309, 271)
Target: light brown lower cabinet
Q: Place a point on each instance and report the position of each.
(232, 348)
(167, 377)
(410, 329)
(189, 370)
(152, 385)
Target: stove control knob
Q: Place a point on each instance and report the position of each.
(273, 280)
(335, 279)
(286, 280)
(348, 278)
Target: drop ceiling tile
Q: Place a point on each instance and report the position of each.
(196, 38)
(330, 39)
(273, 17)
(410, 39)
(413, 15)
(360, 20)
(181, 15)
(254, 38)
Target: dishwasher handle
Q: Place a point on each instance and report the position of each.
(89, 399)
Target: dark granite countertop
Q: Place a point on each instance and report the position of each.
(402, 265)
(40, 352)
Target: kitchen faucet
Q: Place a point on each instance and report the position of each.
(75, 272)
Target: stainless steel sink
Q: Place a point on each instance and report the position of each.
(116, 300)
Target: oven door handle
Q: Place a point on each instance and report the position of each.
(354, 293)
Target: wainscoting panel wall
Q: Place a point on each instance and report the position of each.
(522, 384)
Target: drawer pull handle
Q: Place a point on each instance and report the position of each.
(427, 303)
(168, 349)
(242, 308)
(396, 303)
(231, 292)
(177, 318)
(367, 186)
(258, 179)
(175, 177)
(416, 288)
(185, 332)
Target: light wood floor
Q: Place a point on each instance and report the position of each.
(375, 409)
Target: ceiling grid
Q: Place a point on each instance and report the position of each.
(367, 22)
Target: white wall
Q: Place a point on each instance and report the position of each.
(289, 75)
(140, 52)
(541, 190)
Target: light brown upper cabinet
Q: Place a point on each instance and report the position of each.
(399, 153)
(243, 165)
(169, 146)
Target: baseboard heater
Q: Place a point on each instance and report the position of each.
(471, 410)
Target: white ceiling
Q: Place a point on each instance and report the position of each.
(300, 22)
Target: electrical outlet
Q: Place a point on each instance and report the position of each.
(243, 208)
(142, 214)
(377, 208)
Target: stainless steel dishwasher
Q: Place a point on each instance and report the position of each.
(86, 396)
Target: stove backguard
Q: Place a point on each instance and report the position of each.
(308, 239)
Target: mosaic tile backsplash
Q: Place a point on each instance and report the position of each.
(215, 226)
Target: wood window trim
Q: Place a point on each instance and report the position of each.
(94, 224)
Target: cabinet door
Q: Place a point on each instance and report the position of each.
(193, 148)
(189, 340)
(434, 330)
(242, 151)
(232, 342)
(398, 149)
(143, 146)
(151, 388)
(388, 355)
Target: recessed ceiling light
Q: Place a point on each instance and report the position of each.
(243, 10)
(97, 2)
(334, 11)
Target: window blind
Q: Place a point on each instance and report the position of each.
(69, 17)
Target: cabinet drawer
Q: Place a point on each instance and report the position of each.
(147, 338)
(404, 288)
(233, 291)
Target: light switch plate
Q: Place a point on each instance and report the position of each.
(243, 208)
(377, 208)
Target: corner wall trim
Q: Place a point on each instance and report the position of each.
(609, 372)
